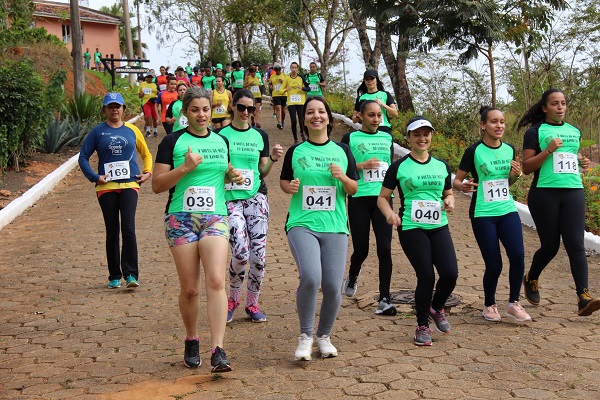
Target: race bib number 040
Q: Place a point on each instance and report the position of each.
(117, 170)
(321, 198)
(199, 199)
(426, 212)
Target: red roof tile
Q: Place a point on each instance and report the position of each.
(51, 9)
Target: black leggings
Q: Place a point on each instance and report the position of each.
(293, 110)
(556, 213)
(125, 204)
(425, 248)
(362, 211)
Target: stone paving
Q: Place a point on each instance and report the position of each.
(63, 334)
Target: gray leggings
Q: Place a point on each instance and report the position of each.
(321, 260)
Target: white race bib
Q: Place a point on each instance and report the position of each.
(254, 89)
(313, 87)
(295, 98)
(426, 212)
(199, 198)
(117, 170)
(248, 184)
(239, 82)
(220, 110)
(162, 86)
(277, 86)
(565, 163)
(318, 198)
(147, 90)
(495, 190)
(375, 174)
(183, 121)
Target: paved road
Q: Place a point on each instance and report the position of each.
(63, 334)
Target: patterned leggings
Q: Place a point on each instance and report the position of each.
(248, 221)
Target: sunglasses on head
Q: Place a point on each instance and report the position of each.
(242, 108)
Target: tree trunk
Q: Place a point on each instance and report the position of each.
(77, 53)
(371, 56)
(396, 65)
(128, 39)
(492, 74)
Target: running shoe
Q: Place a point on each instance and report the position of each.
(114, 284)
(283, 125)
(385, 307)
(231, 306)
(191, 355)
(155, 134)
(439, 318)
(514, 310)
(132, 282)
(350, 285)
(219, 361)
(587, 304)
(532, 293)
(326, 349)
(422, 336)
(255, 314)
(491, 313)
(279, 126)
(304, 349)
(148, 134)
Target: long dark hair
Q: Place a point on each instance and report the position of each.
(535, 114)
(362, 89)
(327, 108)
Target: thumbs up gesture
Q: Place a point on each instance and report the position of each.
(192, 160)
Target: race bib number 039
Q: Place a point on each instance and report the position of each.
(199, 199)
(426, 212)
(117, 170)
(248, 175)
(565, 163)
(495, 190)
(375, 174)
(321, 198)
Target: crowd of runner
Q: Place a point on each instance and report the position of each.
(214, 159)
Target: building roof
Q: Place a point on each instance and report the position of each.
(50, 9)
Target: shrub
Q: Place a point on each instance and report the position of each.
(22, 109)
(86, 108)
(59, 133)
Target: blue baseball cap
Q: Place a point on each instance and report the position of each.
(113, 98)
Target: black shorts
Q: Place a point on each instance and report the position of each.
(218, 120)
(258, 100)
(280, 101)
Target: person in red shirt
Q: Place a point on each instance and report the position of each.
(165, 98)
(197, 77)
(161, 80)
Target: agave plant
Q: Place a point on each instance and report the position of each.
(59, 133)
(85, 108)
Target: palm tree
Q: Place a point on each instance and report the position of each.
(117, 10)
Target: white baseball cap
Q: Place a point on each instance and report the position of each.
(419, 124)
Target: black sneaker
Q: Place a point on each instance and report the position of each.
(191, 356)
(219, 361)
(279, 126)
(532, 293)
(587, 304)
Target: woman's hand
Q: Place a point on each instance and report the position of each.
(371, 163)
(336, 172)
(584, 162)
(469, 186)
(191, 161)
(515, 168)
(143, 177)
(102, 179)
(448, 203)
(277, 152)
(393, 219)
(294, 186)
(234, 175)
(554, 145)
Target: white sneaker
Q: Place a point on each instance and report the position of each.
(304, 350)
(325, 347)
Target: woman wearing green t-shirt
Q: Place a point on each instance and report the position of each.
(174, 115)
(193, 165)
(318, 174)
(371, 88)
(425, 189)
(494, 217)
(556, 200)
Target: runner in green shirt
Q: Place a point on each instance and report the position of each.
(372, 89)
(86, 58)
(314, 81)
(425, 190)
(494, 217)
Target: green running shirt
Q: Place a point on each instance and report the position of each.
(364, 146)
(490, 168)
(320, 203)
(200, 191)
(385, 97)
(420, 186)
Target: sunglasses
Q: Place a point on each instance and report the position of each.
(242, 108)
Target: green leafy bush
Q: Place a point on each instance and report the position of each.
(54, 95)
(86, 108)
(22, 109)
(59, 133)
(15, 37)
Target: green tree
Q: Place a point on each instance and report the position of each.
(117, 10)
(19, 11)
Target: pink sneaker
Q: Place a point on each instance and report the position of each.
(491, 313)
(517, 312)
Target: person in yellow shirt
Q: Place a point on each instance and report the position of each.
(221, 99)
(292, 87)
(252, 83)
(148, 92)
(279, 97)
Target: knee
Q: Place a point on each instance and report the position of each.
(309, 284)
(215, 283)
(189, 293)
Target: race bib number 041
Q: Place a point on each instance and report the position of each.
(199, 199)
(117, 170)
(426, 212)
(318, 198)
